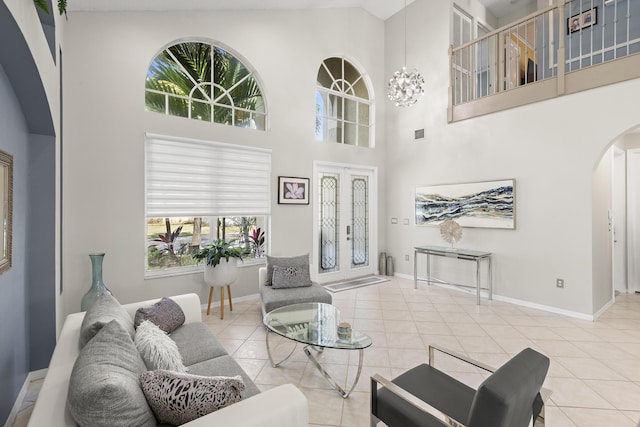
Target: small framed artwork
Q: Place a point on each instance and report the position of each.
(582, 20)
(293, 191)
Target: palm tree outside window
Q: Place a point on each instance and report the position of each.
(204, 81)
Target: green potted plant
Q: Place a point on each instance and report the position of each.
(42, 4)
(221, 262)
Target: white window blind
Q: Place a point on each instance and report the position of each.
(192, 178)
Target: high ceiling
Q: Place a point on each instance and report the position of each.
(380, 8)
(383, 9)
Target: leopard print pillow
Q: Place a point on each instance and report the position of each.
(177, 398)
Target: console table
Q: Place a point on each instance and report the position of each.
(463, 254)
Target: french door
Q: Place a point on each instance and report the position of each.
(344, 222)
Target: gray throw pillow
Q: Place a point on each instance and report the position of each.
(104, 310)
(156, 348)
(166, 313)
(178, 398)
(104, 387)
(290, 261)
(291, 277)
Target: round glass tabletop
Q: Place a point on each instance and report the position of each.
(316, 324)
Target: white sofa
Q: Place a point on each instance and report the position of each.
(283, 406)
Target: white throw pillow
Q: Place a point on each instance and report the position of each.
(156, 348)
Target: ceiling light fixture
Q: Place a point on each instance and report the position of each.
(405, 87)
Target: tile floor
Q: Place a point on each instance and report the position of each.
(594, 373)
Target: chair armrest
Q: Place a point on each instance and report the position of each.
(544, 393)
(283, 406)
(445, 419)
(458, 356)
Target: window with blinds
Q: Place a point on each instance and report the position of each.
(200, 191)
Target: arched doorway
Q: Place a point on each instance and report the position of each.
(616, 220)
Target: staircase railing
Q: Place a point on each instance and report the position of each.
(583, 33)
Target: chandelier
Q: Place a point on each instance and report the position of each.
(405, 87)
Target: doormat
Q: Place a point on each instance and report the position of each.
(355, 283)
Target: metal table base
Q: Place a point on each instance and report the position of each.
(318, 366)
(463, 254)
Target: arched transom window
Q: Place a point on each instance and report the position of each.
(343, 104)
(204, 81)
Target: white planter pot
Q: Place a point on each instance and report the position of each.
(222, 274)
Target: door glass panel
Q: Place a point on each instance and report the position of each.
(329, 222)
(360, 221)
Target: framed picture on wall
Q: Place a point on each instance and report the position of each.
(582, 20)
(487, 204)
(293, 191)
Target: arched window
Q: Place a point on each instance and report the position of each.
(344, 106)
(204, 81)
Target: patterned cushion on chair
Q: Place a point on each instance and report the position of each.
(291, 261)
(291, 277)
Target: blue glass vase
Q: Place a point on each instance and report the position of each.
(97, 285)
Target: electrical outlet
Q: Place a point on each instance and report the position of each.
(406, 257)
(559, 283)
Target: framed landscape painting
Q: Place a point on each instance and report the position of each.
(487, 204)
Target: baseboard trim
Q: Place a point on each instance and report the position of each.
(31, 376)
(604, 308)
(547, 308)
(528, 304)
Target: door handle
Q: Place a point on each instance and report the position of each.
(348, 232)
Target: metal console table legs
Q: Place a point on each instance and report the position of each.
(463, 254)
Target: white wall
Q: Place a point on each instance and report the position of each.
(106, 59)
(633, 218)
(619, 217)
(550, 148)
(602, 221)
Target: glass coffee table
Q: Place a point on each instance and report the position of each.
(316, 325)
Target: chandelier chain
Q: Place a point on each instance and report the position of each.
(405, 87)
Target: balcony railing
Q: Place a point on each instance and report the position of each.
(586, 33)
